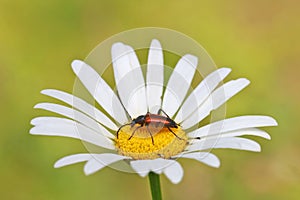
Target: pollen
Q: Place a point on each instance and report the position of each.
(140, 146)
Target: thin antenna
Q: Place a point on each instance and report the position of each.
(128, 115)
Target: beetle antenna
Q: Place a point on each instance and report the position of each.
(122, 127)
(161, 110)
(123, 106)
(174, 133)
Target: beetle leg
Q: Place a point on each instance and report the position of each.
(134, 132)
(150, 134)
(174, 133)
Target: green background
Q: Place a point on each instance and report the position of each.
(259, 40)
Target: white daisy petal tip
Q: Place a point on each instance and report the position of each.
(155, 44)
(254, 148)
(244, 81)
(87, 173)
(217, 165)
(89, 169)
(47, 91)
(41, 105)
(36, 121)
(172, 169)
(225, 70)
(36, 106)
(213, 161)
(268, 137)
(77, 65)
(273, 121)
(263, 134)
(191, 59)
(203, 157)
(174, 172)
(117, 50)
(58, 164)
(99, 161)
(31, 131)
(32, 123)
(72, 159)
(117, 45)
(251, 146)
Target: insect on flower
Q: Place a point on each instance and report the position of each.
(157, 120)
(131, 146)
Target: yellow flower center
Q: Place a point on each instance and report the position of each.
(140, 146)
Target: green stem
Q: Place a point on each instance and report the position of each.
(155, 186)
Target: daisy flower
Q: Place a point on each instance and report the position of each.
(129, 126)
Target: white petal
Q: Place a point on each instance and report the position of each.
(170, 168)
(129, 79)
(54, 126)
(227, 142)
(240, 132)
(200, 93)
(82, 106)
(179, 83)
(247, 131)
(143, 167)
(98, 161)
(217, 98)
(204, 157)
(155, 76)
(234, 124)
(100, 90)
(72, 159)
(174, 172)
(75, 115)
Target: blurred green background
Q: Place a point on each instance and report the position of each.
(257, 39)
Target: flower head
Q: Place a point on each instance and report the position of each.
(143, 123)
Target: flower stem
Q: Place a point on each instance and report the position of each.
(155, 186)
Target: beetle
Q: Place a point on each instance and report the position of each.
(154, 119)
